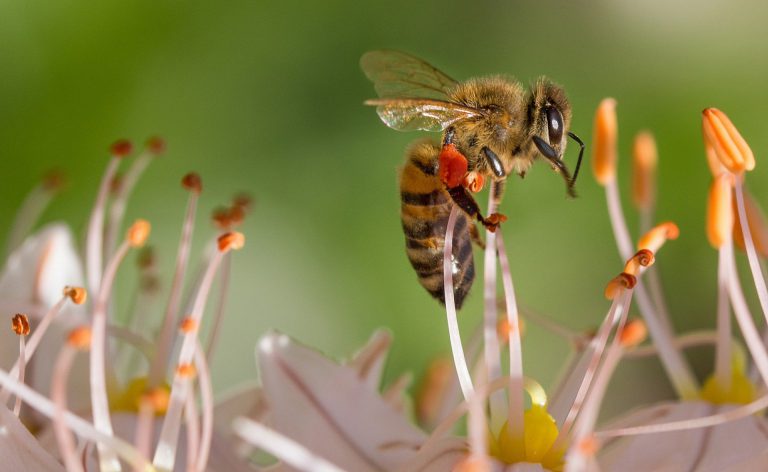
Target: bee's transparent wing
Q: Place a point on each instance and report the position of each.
(399, 75)
(408, 114)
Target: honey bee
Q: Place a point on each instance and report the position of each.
(492, 127)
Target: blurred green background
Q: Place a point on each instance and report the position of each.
(267, 97)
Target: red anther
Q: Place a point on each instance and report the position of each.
(474, 181)
(221, 218)
(121, 148)
(243, 201)
(20, 324)
(452, 166)
(618, 284)
(192, 182)
(236, 215)
(146, 258)
(54, 180)
(156, 145)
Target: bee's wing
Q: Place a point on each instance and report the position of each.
(407, 114)
(397, 74)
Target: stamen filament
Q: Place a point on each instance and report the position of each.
(99, 401)
(492, 352)
(34, 341)
(282, 447)
(462, 371)
(677, 368)
(166, 447)
(193, 427)
(29, 212)
(744, 317)
(78, 425)
(206, 400)
(741, 411)
(59, 396)
(218, 318)
(22, 368)
(165, 341)
(94, 241)
(515, 395)
(723, 354)
(754, 264)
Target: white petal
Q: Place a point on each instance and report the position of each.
(736, 444)
(369, 361)
(19, 450)
(330, 410)
(39, 269)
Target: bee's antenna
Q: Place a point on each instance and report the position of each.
(581, 154)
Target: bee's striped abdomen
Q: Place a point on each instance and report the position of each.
(425, 207)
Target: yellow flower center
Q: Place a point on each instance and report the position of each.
(740, 391)
(130, 398)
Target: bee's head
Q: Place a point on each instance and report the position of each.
(549, 119)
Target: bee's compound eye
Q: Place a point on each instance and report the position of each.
(555, 125)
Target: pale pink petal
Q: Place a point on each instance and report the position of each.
(441, 456)
(38, 270)
(247, 401)
(369, 361)
(19, 450)
(734, 444)
(330, 410)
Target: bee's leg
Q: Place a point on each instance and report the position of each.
(452, 164)
(474, 235)
(464, 200)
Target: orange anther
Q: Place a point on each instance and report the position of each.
(720, 210)
(604, 143)
(186, 370)
(729, 146)
(644, 159)
(192, 182)
(658, 235)
(221, 218)
(121, 148)
(642, 258)
(589, 446)
(188, 325)
(80, 338)
(159, 398)
(78, 295)
(618, 284)
(156, 145)
(138, 233)
(243, 200)
(634, 333)
(236, 215)
(231, 241)
(473, 464)
(20, 324)
(715, 166)
(54, 180)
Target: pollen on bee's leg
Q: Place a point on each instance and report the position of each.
(474, 181)
(452, 166)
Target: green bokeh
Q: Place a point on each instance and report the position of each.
(267, 97)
